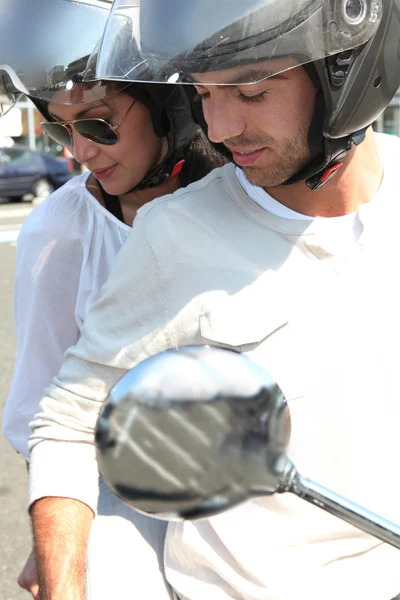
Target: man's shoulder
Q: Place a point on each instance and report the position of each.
(389, 145)
(205, 191)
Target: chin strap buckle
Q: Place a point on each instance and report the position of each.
(335, 152)
(177, 169)
(323, 177)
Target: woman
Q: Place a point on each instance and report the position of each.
(71, 239)
(138, 143)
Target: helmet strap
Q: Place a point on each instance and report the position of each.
(335, 152)
(170, 166)
(169, 116)
(329, 153)
(320, 170)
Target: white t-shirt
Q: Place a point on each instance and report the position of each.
(67, 246)
(217, 269)
(65, 251)
(341, 233)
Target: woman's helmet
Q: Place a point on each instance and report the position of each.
(349, 48)
(45, 47)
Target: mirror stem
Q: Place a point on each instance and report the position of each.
(341, 507)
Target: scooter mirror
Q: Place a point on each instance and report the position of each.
(194, 431)
(191, 432)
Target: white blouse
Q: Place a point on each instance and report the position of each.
(65, 251)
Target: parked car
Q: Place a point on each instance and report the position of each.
(25, 171)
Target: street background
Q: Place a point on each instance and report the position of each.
(14, 524)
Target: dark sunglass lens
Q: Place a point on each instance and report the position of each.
(58, 133)
(97, 131)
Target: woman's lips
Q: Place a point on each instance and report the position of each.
(246, 157)
(104, 173)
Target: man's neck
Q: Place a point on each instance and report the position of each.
(356, 183)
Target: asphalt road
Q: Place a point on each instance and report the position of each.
(14, 525)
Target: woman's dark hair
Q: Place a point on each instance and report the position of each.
(200, 159)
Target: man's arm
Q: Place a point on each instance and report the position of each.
(61, 529)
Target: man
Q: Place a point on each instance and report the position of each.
(302, 278)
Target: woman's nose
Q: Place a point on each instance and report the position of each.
(82, 148)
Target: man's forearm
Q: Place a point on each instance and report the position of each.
(61, 529)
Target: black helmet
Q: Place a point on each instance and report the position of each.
(45, 47)
(350, 49)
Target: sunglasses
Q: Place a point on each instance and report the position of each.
(99, 131)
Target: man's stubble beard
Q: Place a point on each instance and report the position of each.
(286, 159)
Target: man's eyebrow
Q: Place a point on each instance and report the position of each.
(244, 78)
(84, 111)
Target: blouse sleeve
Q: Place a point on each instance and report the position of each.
(126, 325)
(49, 261)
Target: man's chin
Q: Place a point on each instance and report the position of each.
(266, 177)
(258, 176)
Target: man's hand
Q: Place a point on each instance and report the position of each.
(61, 529)
(28, 578)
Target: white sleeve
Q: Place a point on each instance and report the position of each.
(49, 261)
(125, 326)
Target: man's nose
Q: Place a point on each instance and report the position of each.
(224, 118)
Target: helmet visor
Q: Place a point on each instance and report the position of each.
(167, 40)
(45, 44)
